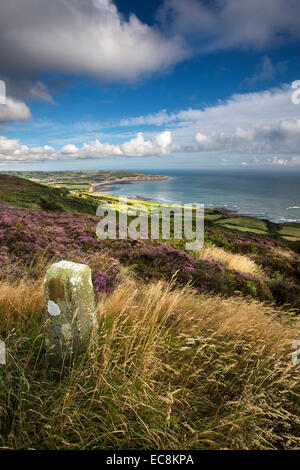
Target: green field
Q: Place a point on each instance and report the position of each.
(290, 232)
(246, 223)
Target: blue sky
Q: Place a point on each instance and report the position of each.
(95, 84)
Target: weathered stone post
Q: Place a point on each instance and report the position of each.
(70, 310)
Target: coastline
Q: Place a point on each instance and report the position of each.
(222, 211)
(126, 180)
(221, 192)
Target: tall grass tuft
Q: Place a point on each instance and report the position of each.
(234, 261)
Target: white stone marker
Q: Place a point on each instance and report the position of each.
(70, 310)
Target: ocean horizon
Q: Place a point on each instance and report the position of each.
(265, 194)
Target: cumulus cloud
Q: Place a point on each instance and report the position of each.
(139, 147)
(69, 149)
(14, 110)
(223, 24)
(81, 37)
(284, 138)
(11, 150)
(91, 37)
(97, 149)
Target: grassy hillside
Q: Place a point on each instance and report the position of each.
(194, 349)
(80, 181)
(26, 193)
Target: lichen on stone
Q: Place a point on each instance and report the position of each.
(71, 316)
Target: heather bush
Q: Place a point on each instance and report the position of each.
(26, 233)
(210, 276)
(107, 279)
(206, 275)
(246, 244)
(285, 292)
(156, 260)
(100, 282)
(274, 263)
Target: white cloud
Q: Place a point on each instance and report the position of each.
(139, 147)
(11, 150)
(202, 140)
(284, 138)
(91, 37)
(81, 37)
(240, 110)
(97, 149)
(14, 111)
(69, 149)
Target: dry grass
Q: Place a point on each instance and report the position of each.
(289, 254)
(18, 301)
(169, 370)
(233, 261)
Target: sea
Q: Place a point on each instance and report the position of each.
(272, 195)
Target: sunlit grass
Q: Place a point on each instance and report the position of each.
(237, 262)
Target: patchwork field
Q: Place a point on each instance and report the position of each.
(290, 232)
